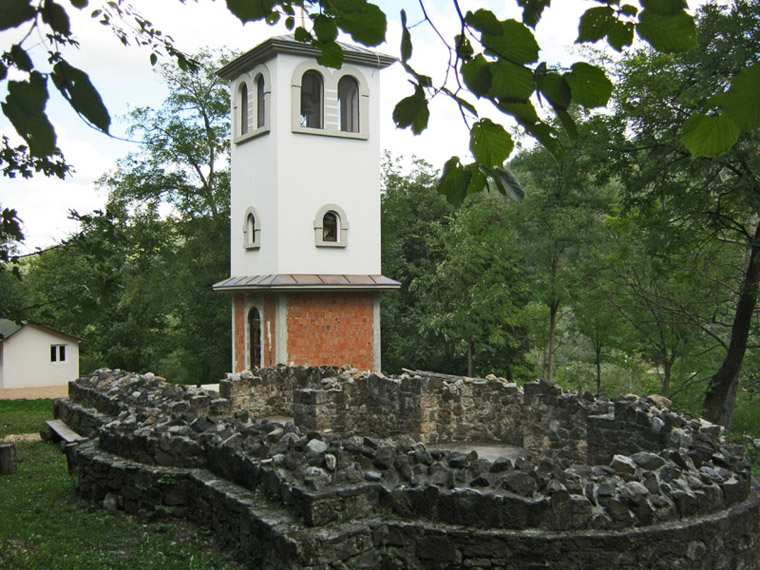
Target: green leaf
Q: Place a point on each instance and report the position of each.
(532, 10)
(484, 21)
(463, 47)
(508, 184)
(15, 12)
(290, 22)
(568, 123)
(742, 101)
(477, 75)
(546, 135)
(669, 34)
(554, 87)
(80, 4)
(272, 18)
(251, 10)
(75, 86)
(510, 82)
(412, 112)
(620, 35)
(332, 54)
(478, 179)
(21, 59)
(56, 17)
(664, 7)
(153, 59)
(25, 108)
(595, 24)
(406, 39)
(302, 35)
(523, 112)
(515, 43)
(629, 10)
(325, 29)
(709, 135)
(454, 181)
(364, 22)
(490, 143)
(589, 85)
(3, 71)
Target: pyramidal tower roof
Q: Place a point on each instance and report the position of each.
(289, 45)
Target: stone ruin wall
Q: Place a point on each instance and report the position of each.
(620, 482)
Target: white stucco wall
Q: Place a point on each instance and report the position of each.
(288, 176)
(26, 362)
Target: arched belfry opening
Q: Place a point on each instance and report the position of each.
(254, 337)
(305, 276)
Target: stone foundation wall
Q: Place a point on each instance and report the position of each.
(164, 441)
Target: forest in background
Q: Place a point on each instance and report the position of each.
(622, 269)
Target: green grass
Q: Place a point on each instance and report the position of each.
(44, 526)
(24, 416)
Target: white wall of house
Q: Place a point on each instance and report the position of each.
(25, 359)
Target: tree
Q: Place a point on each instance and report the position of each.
(489, 59)
(708, 199)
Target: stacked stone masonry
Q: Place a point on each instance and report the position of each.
(354, 482)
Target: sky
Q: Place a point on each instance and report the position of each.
(126, 80)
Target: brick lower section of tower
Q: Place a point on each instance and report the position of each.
(332, 328)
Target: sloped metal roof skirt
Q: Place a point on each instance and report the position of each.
(311, 281)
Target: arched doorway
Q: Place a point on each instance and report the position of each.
(254, 337)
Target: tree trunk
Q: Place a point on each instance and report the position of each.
(553, 310)
(721, 393)
(8, 463)
(598, 350)
(667, 372)
(469, 359)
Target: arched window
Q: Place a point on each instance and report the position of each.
(331, 227)
(251, 229)
(254, 337)
(243, 109)
(311, 100)
(260, 102)
(348, 104)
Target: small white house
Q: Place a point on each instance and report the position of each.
(33, 355)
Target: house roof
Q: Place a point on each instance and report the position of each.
(300, 282)
(8, 328)
(288, 44)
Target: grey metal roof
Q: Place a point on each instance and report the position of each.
(300, 282)
(8, 328)
(288, 44)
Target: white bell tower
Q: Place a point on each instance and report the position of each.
(305, 207)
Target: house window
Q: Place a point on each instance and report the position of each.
(57, 353)
(243, 109)
(251, 229)
(311, 100)
(254, 337)
(331, 227)
(348, 104)
(260, 103)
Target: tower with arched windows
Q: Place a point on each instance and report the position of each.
(305, 207)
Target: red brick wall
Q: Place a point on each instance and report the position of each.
(239, 317)
(330, 328)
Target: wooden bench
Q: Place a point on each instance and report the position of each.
(67, 439)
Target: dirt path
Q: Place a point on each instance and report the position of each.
(34, 393)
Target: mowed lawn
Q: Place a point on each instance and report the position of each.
(43, 524)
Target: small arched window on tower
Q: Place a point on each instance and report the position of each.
(254, 337)
(348, 104)
(243, 106)
(251, 229)
(331, 227)
(260, 102)
(312, 90)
